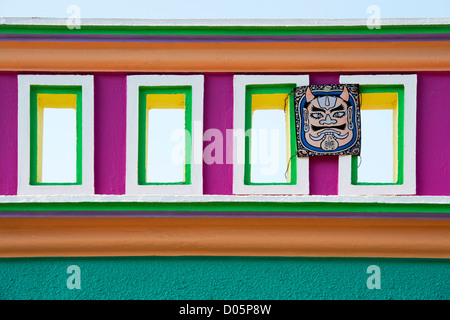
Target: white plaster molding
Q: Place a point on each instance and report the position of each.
(133, 84)
(240, 82)
(87, 84)
(51, 21)
(408, 187)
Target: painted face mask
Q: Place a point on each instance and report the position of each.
(327, 120)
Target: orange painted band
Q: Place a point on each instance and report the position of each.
(314, 237)
(224, 57)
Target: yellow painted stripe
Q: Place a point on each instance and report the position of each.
(57, 100)
(265, 101)
(165, 101)
(395, 145)
(379, 101)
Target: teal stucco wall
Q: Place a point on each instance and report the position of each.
(223, 278)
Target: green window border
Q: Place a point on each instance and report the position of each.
(54, 89)
(269, 89)
(142, 124)
(400, 90)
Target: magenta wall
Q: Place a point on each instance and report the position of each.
(110, 113)
(323, 171)
(218, 114)
(433, 129)
(8, 133)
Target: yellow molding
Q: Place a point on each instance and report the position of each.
(379, 101)
(270, 101)
(165, 101)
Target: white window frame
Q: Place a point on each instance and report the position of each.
(24, 83)
(408, 187)
(239, 187)
(133, 84)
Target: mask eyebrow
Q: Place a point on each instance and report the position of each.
(340, 107)
(317, 109)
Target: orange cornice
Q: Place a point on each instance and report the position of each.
(314, 237)
(224, 57)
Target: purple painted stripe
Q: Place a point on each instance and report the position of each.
(323, 171)
(433, 143)
(227, 38)
(218, 118)
(109, 133)
(8, 133)
(229, 214)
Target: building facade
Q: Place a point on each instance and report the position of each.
(373, 226)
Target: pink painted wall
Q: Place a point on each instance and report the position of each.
(323, 171)
(218, 114)
(110, 113)
(433, 133)
(433, 144)
(8, 133)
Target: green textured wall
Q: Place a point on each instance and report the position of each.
(223, 278)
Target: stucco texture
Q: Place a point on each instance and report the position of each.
(223, 278)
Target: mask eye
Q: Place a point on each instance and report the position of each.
(316, 115)
(339, 114)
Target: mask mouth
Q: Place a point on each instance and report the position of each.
(340, 127)
(332, 132)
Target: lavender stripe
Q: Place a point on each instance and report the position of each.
(229, 214)
(227, 38)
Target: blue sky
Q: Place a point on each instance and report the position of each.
(226, 9)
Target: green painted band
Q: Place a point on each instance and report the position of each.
(231, 206)
(225, 278)
(225, 30)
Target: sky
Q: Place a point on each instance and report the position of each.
(227, 9)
